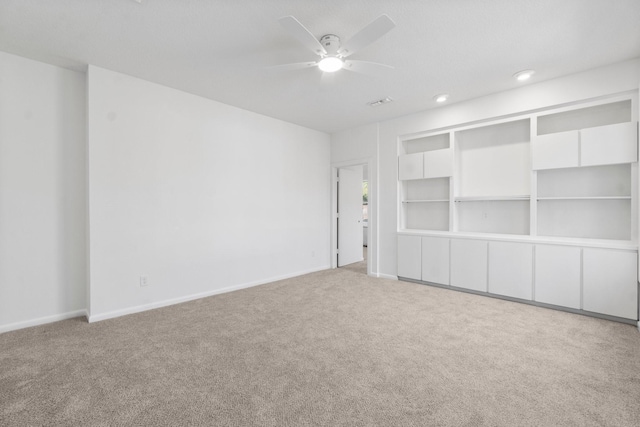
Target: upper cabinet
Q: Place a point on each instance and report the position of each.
(432, 164)
(597, 135)
(556, 150)
(426, 157)
(438, 163)
(609, 145)
(410, 166)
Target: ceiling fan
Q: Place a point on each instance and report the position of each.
(331, 52)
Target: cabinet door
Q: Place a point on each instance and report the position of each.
(438, 163)
(435, 260)
(469, 264)
(511, 269)
(410, 166)
(612, 144)
(556, 150)
(610, 283)
(558, 275)
(409, 257)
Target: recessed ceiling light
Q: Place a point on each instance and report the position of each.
(524, 75)
(330, 64)
(442, 97)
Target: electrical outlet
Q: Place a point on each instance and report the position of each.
(144, 281)
(313, 254)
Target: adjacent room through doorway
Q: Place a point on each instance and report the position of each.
(352, 218)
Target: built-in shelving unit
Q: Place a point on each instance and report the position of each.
(426, 189)
(568, 172)
(587, 202)
(517, 206)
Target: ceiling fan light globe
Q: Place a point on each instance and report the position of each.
(330, 64)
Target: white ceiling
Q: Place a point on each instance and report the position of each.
(220, 49)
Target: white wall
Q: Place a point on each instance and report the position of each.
(42, 193)
(355, 143)
(199, 196)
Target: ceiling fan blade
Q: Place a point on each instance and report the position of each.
(294, 66)
(372, 32)
(303, 35)
(366, 67)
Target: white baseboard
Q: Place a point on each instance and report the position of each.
(387, 276)
(165, 303)
(42, 320)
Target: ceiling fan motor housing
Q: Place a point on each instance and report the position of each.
(331, 44)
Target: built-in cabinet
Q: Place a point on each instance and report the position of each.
(554, 193)
(511, 269)
(610, 284)
(601, 281)
(558, 275)
(409, 257)
(469, 264)
(435, 260)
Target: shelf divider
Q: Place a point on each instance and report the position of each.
(585, 198)
(427, 201)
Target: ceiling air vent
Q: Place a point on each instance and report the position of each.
(380, 102)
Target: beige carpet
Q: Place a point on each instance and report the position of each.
(329, 348)
(359, 267)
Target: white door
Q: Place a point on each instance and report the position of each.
(349, 215)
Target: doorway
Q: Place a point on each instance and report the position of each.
(351, 223)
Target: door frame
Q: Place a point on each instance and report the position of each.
(372, 223)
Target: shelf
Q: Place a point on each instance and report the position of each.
(492, 198)
(427, 201)
(583, 118)
(426, 216)
(585, 182)
(586, 217)
(426, 143)
(586, 198)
